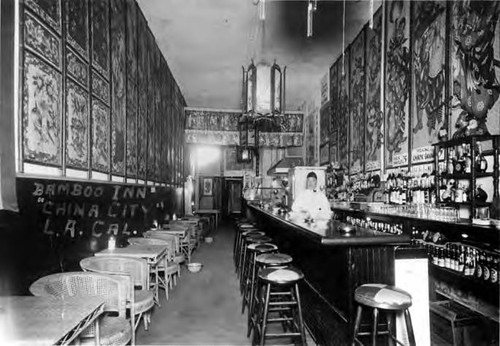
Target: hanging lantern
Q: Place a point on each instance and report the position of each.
(263, 89)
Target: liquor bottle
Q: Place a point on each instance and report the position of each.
(461, 260)
(450, 164)
(447, 262)
(469, 266)
(494, 270)
(487, 267)
(481, 163)
(479, 265)
(459, 164)
(453, 258)
(441, 257)
(467, 159)
(435, 255)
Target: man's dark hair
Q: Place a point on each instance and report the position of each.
(312, 175)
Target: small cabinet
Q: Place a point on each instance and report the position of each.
(459, 163)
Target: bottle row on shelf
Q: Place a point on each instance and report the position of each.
(386, 227)
(460, 159)
(464, 259)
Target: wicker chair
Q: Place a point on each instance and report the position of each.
(177, 256)
(113, 330)
(137, 269)
(168, 267)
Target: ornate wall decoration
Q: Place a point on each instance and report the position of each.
(131, 20)
(475, 68)
(48, 10)
(428, 91)
(311, 136)
(150, 171)
(127, 105)
(324, 154)
(212, 120)
(131, 129)
(76, 68)
(77, 25)
(324, 123)
(333, 153)
(374, 114)
(142, 64)
(221, 127)
(77, 127)
(41, 40)
(118, 104)
(334, 102)
(100, 32)
(100, 87)
(100, 136)
(357, 103)
(343, 142)
(41, 117)
(280, 139)
(397, 82)
(158, 113)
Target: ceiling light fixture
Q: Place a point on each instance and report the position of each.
(312, 6)
(343, 40)
(371, 14)
(262, 8)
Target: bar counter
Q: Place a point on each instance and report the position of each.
(334, 265)
(332, 234)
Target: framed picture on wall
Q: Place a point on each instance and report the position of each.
(207, 186)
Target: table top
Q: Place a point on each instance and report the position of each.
(330, 234)
(29, 320)
(207, 211)
(150, 252)
(184, 222)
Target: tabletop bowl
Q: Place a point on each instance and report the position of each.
(194, 267)
(209, 240)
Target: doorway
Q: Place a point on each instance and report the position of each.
(232, 195)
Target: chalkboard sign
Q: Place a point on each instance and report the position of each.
(82, 209)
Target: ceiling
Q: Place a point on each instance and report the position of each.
(205, 43)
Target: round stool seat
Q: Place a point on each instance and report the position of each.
(382, 296)
(274, 259)
(252, 233)
(248, 229)
(246, 225)
(259, 239)
(285, 275)
(262, 247)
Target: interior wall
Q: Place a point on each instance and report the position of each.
(209, 170)
(8, 199)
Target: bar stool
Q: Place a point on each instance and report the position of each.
(382, 297)
(247, 241)
(241, 247)
(265, 260)
(285, 280)
(241, 244)
(237, 238)
(254, 250)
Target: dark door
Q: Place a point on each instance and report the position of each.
(232, 195)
